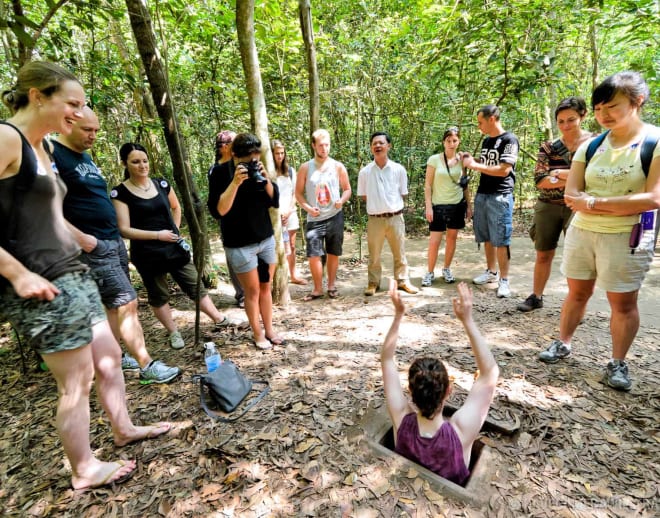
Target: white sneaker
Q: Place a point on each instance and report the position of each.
(486, 277)
(176, 340)
(503, 290)
(428, 278)
(446, 273)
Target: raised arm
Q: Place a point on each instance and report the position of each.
(396, 401)
(471, 416)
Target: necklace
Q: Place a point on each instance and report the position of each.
(145, 189)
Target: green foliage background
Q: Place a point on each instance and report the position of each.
(409, 67)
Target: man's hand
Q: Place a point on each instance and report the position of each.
(463, 303)
(399, 306)
(29, 285)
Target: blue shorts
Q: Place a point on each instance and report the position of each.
(493, 218)
(329, 232)
(108, 264)
(246, 258)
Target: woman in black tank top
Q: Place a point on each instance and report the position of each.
(37, 262)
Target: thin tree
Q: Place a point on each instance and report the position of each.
(193, 207)
(305, 13)
(259, 120)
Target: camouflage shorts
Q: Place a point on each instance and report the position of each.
(62, 324)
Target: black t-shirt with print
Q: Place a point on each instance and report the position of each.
(495, 151)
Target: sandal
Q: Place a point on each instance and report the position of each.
(312, 296)
(333, 293)
(276, 340)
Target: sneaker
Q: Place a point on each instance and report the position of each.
(557, 351)
(428, 279)
(532, 302)
(371, 289)
(616, 375)
(128, 363)
(176, 340)
(486, 277)
(446, 273)
(158, 372)
(503, 290)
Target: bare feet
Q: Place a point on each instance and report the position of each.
(140, 433)
(297, 280)
(104, 474)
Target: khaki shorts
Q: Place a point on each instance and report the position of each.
(550, 221)
(61, 324)
(607, 258)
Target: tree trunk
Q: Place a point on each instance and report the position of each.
(193, 206)
(305, 12)
(259, 120)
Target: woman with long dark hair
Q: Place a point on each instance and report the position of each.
(149, 214)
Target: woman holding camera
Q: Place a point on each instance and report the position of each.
(447, 200)
(149, 214)
(240, 194)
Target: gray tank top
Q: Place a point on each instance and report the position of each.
(322, 189)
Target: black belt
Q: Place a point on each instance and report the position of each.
(386, 214)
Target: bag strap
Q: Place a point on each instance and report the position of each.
(449, 171)
(593, 146)
(560, 148)
(646, 151)
(215, 415)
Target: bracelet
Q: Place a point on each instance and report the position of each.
(591, 202)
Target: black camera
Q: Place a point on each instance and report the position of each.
(254, 173)
(183, 244)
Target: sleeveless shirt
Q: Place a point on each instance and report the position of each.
(322, 189)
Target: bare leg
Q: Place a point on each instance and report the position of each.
(435, 240)
(572, 312)
(250, 283)
(208, 308)
(266, 307)
(489, 251)
(316, 269)
(624, 322)
(131, 332)
(111, 389)
(164, 315)
(503, 261)
(73, 371)
(542, 269)
(291, 259)
(450, 246)
(332, 265)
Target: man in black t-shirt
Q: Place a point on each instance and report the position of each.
(93, 222)
(493, 204)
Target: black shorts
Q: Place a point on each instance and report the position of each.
(448, 216)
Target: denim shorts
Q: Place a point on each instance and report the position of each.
(61, 324)
(246, 258)
(108, 264)
(607, 258)
(493, 218)
(329, 232)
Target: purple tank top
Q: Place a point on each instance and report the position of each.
(442, 453)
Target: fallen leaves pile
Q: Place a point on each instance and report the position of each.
(582, 449)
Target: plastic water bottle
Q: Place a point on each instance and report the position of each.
(211, 357)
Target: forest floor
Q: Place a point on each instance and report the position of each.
(582, 449)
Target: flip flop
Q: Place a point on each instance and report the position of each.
(108, 481)
(276, 340)
(333, 293)
(312, 296)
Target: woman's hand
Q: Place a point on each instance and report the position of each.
(399, 306)
(30, 285)
(429, 215)
(240, 175)
(578, 202)
(463, 303)
(167, 236)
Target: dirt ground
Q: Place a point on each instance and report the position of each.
(582, 449)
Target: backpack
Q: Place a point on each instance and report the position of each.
(646, 154)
